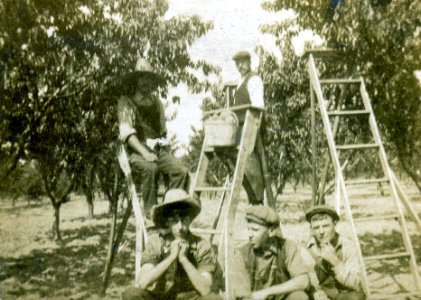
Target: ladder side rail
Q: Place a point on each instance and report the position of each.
(314, 81)
(202, 166)
(327, 156)
(374, 128)
(388, 174)
(141, 234)
(248, 139)
(405, 234)
(406, 202)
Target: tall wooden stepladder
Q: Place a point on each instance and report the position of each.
(251, 118)
(397, 198)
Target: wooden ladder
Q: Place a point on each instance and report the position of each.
(249, 137)
(397, 195)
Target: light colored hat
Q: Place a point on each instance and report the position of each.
(263, 215)
(144, 68)
(175, 199)
(322, 209)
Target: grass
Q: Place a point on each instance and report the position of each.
(33, 266)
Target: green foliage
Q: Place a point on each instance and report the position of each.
(379, 40)
(63, 68)
(24, 181)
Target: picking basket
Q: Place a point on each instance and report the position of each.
(221, 130)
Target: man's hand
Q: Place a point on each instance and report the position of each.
(149, 156)
(259, 295)
(328, 253)
(175, 249)
(184, 246)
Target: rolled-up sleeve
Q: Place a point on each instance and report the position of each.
(125, 119)
(255, 90)
(348, 271)
(205, 257)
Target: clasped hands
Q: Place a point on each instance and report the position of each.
(178, 249)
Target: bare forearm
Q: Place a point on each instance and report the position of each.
(136, 145)
(294, 284)
(151, 275)
(200, 282)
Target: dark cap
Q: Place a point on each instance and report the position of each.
(322, 209)
(263, 215)
(241, 55)
(175, 199)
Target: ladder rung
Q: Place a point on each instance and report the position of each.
(204, 231)
(211, 189)
(386, 256)
(366, 181)
(339, 81)
(393, 296)
(322, 52)
(374, 218)
(356, 146)
(348, 112)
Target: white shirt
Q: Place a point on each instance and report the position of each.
(255, 90)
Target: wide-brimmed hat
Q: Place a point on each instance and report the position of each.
(322, 209)
(144, 69)
(175, 199)
(241, 55)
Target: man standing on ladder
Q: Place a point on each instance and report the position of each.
(250, 91)
(142, 127)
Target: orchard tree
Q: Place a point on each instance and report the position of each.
(63, 67)
(378, 39)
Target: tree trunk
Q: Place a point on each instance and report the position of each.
(411, 173)
(90, 200)
(56, 224)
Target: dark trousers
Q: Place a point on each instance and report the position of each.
(253, 180)
(139, 294)
(146, 175)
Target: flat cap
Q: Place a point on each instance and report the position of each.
(241, 55)
(263, 215)
(322, 209)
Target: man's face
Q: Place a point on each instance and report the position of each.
(178, 223)
(146, 85)
(323, 228)
(243, 66)
(258, 234)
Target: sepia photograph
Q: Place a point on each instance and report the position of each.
(210, 149)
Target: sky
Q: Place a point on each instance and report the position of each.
(236, 27)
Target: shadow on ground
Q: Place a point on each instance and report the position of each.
(72, 271)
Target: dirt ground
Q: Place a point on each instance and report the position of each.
(33, 266)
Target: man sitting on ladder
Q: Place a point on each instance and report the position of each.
(142, 127)
(250, 91)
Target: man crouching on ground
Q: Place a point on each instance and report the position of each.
(269, 266)
(176, 264)
(335, 257)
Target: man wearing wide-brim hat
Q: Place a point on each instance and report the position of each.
(142, 127)
(334, 257)
(268, 266)
(176, 264)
